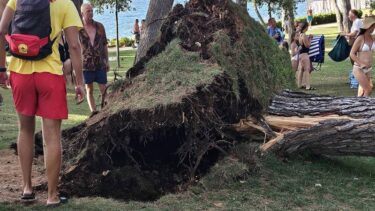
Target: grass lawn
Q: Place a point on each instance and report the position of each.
(339, 183)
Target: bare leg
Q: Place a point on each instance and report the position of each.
(102, 88)
(52, 139)
(90, 97)
(307, 78)
(25, 149)
(364, 81)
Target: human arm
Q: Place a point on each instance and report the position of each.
(307, 40)
(355, 48)
(294, 49)
(106, 58)
(350, 35)
(6, 18)
(71, 34)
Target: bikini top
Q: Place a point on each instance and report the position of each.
(366, 48)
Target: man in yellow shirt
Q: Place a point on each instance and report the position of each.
(38, 88)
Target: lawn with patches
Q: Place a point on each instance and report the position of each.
(336, 183)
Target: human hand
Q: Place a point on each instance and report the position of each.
(80, 94)
(4, 81)
(108, 67)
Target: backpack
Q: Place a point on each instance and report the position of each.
(341, 49)
(30, 29)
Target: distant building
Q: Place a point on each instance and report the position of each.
(327, 6)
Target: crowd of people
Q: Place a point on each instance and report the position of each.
(359, 39)
(299, 48)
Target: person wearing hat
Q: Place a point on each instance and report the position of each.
(361, 54)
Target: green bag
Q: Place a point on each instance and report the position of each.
(341, 49)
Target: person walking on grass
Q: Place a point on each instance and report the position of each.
(304, 63)
(95, 55)
(274, 32)
(309, 18)
(136, 31)
(361, 54)
(37, 81)
(356, 26)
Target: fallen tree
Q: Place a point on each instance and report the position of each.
(167, 122)
(322, 125)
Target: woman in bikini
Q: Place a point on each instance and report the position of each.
(361, 54)
(304, 63)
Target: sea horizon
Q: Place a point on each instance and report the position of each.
(139, 11)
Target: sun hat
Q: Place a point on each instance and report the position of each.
(368, 21)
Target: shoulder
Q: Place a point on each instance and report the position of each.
(99, 25)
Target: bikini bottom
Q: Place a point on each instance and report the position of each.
(364, 69)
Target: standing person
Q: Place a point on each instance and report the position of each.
(38, 86)
(136, 31)
(143, 25)
(95, 55)
(309, 17)
(275, 32)
(65, 59)
(356, 26)
(294, 51)
(143, 28)
(3, 77)
(304, 63)
(361, 54)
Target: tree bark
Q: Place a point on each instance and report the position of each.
(157, 10)
(322, 125)
(255, 4)
(78, 4)
(330, 137)
(243, 3)
(345, 7)
(338, 16)
(117, 37)
(269, 10)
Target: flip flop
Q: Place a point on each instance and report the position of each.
(27, 197)
(63, 200)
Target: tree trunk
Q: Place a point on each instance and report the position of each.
(322, 125)
(243, 3)
(330, 137)
(117, 38)
(345, 7)
(255, 4)
(338, 16)
(157, 10)
(78, 4)
(269, 10)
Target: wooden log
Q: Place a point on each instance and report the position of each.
(319, 124)
(290, 103)
(330, 137)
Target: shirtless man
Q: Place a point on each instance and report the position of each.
(94, 53)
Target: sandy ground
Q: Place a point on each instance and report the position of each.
(11, 178)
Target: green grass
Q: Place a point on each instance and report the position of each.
(338, 183)
(169, 76)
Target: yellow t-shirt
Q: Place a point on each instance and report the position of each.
(63, 15)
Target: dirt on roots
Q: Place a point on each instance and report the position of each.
(141, 152)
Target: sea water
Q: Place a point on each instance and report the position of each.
(139, 11)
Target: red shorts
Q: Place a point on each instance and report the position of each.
(41, 94)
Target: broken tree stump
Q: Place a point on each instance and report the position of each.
(322, 125)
